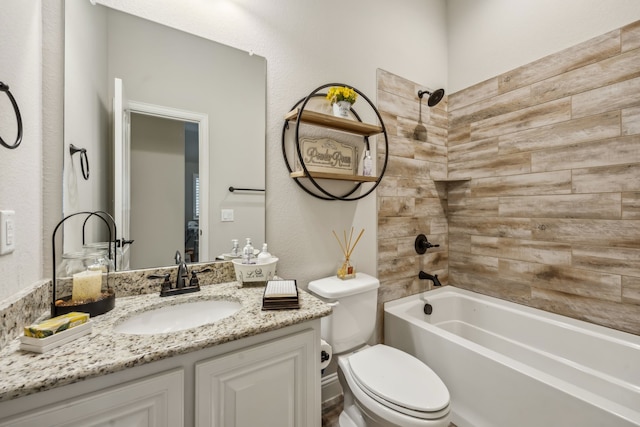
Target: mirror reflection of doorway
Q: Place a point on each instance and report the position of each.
(164, 190)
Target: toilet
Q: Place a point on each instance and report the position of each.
(382, 386)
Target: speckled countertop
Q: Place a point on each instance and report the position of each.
(105, 351)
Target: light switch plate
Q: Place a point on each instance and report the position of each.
(226, 215)
(7, 232)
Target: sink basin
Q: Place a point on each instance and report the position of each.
(173, 318)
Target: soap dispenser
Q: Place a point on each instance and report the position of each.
(235, 250)
(247, 252)
(264, 255)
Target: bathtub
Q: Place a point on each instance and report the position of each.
(509, 365)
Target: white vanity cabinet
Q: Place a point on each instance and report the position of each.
(156, 401)
(268, 379)
(266, 385)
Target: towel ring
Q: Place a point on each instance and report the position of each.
(5, 88)
(84, 160)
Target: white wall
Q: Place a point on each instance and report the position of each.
(490, 37)
(308, 44)
(21, 169)
(210, 72)
(86, 121)
(304, 47)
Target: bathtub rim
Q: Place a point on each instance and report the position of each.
(557, 319)
(394, 308)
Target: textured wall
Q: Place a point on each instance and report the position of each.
(490, 37)
(21, 168)
(304, 49)
(551, 216)
(410, 202)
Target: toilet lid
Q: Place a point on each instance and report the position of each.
(399, 380)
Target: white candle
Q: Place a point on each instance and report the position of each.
(87, 285)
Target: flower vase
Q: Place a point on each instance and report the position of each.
(341, 109)
(346, 269)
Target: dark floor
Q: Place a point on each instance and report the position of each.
(331, 411)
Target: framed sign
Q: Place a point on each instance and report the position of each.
(328, 155)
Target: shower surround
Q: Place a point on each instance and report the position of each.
(551, 215)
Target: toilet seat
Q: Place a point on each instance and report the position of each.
(400, 382)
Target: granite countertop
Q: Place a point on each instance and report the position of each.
(105, 351)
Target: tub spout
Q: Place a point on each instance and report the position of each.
(426, 276)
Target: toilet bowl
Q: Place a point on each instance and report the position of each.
(382, 386)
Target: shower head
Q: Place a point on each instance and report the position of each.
(434, 97)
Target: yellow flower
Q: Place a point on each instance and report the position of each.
(341, 93)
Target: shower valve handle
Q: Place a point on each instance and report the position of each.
(422, 244)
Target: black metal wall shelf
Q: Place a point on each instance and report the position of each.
(308, 180)
(452, 180)
(335, 176)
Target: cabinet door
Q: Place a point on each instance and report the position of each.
(274, 384)
(156, 401)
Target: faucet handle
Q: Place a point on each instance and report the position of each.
(422, 244)
(194, 281)
(166, 284)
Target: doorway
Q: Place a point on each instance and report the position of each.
(184, 124)
(165, 190)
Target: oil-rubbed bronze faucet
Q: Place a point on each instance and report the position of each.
(181, 286)
(183, 274)
(426, 276)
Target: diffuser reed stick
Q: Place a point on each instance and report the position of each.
(340, 243)
(356, 242)
(347, 270)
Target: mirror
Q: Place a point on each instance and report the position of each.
(218, 92)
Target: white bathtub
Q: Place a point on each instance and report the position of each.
(508, 365)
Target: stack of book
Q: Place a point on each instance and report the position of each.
(280, 294)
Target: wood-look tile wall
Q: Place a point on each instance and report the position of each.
(409, 201)
(551, 215)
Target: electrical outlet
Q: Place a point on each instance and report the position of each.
(7, 232)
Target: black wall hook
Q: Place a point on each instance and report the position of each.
(5, 88)
(84, 160)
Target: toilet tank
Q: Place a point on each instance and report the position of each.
(353, 319)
